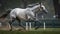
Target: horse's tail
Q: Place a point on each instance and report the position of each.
(5, 13)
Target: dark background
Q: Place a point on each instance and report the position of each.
(5, 4)
(57, 7)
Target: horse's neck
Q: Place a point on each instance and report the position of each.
(33, 8)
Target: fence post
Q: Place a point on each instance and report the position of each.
(29, 25)
(0, 24)
(44, 26)
(26, 25)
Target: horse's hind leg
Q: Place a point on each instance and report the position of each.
(10, 22)
(10, 25)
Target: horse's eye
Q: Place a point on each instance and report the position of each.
(41, 7)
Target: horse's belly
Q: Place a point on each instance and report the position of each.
(22, 16)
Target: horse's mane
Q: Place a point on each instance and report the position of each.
(32, 5)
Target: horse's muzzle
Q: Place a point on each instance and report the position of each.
(45, 11)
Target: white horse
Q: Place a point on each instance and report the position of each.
(25, 14)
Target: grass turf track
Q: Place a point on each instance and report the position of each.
(32, 31)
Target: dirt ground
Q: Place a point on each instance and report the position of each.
(5, 25)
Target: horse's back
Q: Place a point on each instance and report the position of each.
(18, 12)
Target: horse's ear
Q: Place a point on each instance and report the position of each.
(39, 2)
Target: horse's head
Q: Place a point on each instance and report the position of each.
(43, 8)
(38, 7)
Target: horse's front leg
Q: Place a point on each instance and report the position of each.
(35, 25)
(35, 19)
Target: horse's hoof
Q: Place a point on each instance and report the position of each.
(36, 28)
(10, 29)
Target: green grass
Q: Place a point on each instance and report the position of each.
(38, 31)
(46, 29)
(30, 32)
